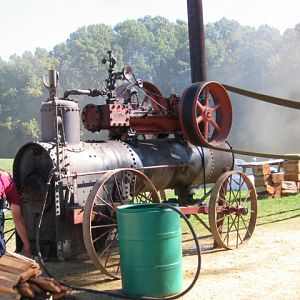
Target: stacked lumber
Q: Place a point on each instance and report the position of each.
(289, 188)
(277, 181)
(263, 180)
(267, 184)
(21, 277)
(291, 177)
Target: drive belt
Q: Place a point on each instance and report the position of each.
(263, 97)
(258, 154)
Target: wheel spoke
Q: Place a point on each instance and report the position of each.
(109, 248)
(106, 203)
(206, 91)
(206, 129)
(102, 235)
(117, 187)
(215, 125)
(134, 185)
(200, 119)
(104, 226)
(223, 218)
(102, 215)
(216, 107)
(223, 200)
(199, 106)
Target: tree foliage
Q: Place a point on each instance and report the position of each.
(259, 59)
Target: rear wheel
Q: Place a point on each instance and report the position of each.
(100, 232)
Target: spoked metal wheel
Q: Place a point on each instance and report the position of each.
(232, 210)
(205, 113)
(100, 232)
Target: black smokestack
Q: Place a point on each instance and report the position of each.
(197, 40)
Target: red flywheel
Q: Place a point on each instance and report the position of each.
(205, 114)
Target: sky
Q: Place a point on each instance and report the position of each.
(28, 24)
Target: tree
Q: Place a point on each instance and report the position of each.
(80, 57)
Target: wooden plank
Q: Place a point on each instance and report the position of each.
(48, 284)
(289, 188)
(292, 176)
(10, 269)
(11, 296)
(25, 290)
(60, 295)
(289, 192)
(298, 185)
(260, 170)
(22, 257)
(287, 185)
(292, 161)
(36, 289)
(64, 291)
(277, 177)
(262, 180)
(7, 285)
(277, 190)
(291, 167)
(30, 273)
(9, 261)
(12, 276)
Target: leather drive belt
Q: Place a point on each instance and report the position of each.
(258, 154)
(262, 97)
(268, 99)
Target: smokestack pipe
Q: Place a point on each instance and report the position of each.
(197, 40)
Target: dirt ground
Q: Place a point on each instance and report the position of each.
(267, 267)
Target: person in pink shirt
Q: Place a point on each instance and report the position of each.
(9, 191)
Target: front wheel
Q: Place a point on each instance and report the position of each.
(232, 211)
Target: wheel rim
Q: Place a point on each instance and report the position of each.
(205, 114)
(100, 232)
(232, 210)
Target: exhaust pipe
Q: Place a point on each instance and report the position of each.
(196, 40)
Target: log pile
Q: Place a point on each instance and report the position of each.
(291, 177)
(267, 184)
(21, 277)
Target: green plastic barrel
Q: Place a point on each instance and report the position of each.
(150, 250)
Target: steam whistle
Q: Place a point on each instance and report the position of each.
(51, 85)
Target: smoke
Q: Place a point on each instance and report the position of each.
(263, 127)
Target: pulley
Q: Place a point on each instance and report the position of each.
(205, 113)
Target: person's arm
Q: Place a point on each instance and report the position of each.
(21, 228)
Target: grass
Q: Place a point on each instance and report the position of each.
(6, 164)
(269, 211)
(276, 210)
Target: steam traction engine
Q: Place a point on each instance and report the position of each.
(155, 143)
